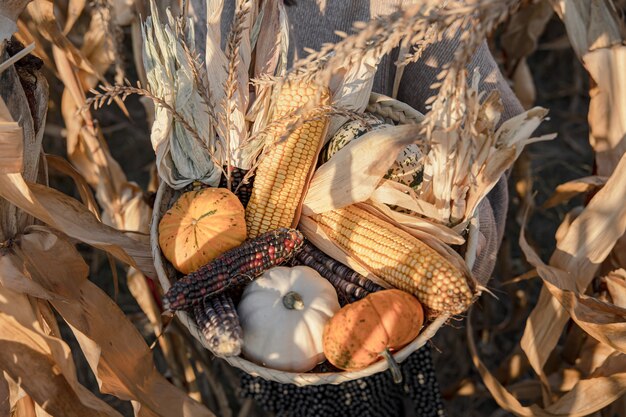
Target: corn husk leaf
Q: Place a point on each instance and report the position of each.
(353, 173)
(59, 164)
(75, 220)
(74, 10)
(215, 59)
(14, 107)
(605, 385)
(270, 60)
(595, 32)
(581, 249)
(524, 28)
(26, 354)
(115, 351)
(232, 117)
(350, 89)
(33, 345)
(417, 225)
(5, 402)
(465, 161)
(566, 191)
(616, 286)
(607, 108)
(395, 194)
(181, 158)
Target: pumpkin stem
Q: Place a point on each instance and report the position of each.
(396, 372)
(293, 301)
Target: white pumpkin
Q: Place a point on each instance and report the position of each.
(282, 314)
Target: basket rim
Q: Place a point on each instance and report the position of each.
(381, 105)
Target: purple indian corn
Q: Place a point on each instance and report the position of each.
(217, 318)
(242, 191)
(234, 267)
(352, 285)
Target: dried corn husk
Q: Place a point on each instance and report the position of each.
(594, 30)
(181, 157)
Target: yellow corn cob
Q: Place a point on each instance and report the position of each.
(282, 174)
(398, 258)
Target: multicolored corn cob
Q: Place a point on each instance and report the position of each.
(399, 258)
(242, 191)
(217, 318)
(234, 267)
(351, 285)
(283, 171)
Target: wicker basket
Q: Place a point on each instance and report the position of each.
(381, 105)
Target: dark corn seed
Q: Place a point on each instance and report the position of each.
(235, 267)
(350, 285)
(218, 320)
(242, 191)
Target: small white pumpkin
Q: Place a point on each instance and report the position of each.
(282, 314)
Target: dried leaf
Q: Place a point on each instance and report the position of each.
(273, 39)
(11, 144)
(59, 164)
(590, 25)
(350, 89)
(72, 218)
(607, 108)
(74, 10)
(523, 30)
(353, 173)
(606, 385)
(583, 247)
(616, 285)
(5, 404)
(396, 194)
(524, 85)
(24, 355)
(114, 349)
(414, 225)
(567, 191)
(182, 156)
(15, 278)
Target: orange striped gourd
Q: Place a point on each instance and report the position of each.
(398, 258)
(283, 172)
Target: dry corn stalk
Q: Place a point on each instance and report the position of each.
(398, 258)
(286, 167)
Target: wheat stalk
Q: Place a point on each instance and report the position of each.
(108, 93)
(229, 105)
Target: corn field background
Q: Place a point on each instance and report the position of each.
(79, 326)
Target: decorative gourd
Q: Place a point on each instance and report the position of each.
(364, 331)
(200, 226)
(408, 168)
(283, 314)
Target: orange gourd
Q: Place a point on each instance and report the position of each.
(360, 333)
(200, 226)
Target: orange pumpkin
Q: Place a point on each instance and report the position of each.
(200, 226)
(361, 332)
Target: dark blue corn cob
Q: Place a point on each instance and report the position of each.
(348, 283)
(218, 320)
(234, 267)
(243, 190)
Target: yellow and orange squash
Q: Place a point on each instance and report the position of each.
(360, 333)
(200, 226)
